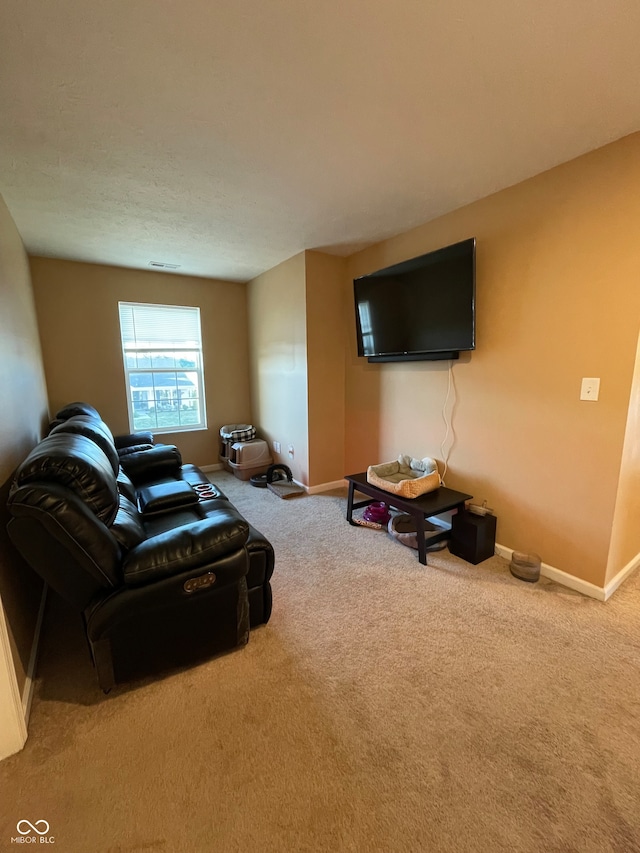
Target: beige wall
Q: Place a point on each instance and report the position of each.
(326, 309)
(558, 261)
(23, 416)
(297, 331)
(625, 539)
(77, 306)
(278, 345)
(557, 267)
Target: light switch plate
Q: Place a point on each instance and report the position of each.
(590, 389)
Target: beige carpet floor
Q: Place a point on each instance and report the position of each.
(386, 707)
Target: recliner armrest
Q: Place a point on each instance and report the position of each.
(163, 497)
(133, 448)
(130, 440)
(162, 460)
(183, 548)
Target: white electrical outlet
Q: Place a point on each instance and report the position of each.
(590, 389)
(276, 446)
(290, 451)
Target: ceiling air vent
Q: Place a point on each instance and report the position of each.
(159, 265)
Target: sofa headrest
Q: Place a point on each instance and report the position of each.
(64, 542)
(97, 431)
(76, 462)
(79, 408)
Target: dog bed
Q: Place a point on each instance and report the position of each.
(407, 478)
(231, 433)
(402, 528)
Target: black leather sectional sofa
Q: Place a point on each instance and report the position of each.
(162, 566)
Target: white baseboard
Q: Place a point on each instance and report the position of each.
(622, 575)
(557, 575)
(310, 490)
(27, 692)
(324, 487)
(13, 729)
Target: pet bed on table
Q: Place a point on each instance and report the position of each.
(407, 478)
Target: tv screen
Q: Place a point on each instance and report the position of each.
(421, 309)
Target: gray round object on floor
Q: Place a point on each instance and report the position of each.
(525, 567)
(403, 528)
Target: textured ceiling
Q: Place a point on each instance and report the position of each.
(226, 137)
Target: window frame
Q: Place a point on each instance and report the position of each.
(159, 347)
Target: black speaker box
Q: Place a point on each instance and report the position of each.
(473, 537)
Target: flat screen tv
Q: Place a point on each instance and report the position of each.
(419, 310)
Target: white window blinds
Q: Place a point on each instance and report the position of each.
(168, 326)
(162, 355)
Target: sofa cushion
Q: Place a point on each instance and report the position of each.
(126, 487)
(183, 548)
(127, 526)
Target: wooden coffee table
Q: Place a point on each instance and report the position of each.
(426, 506)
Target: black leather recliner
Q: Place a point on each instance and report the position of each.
(163, 567)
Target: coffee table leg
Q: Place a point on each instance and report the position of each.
(350, 503)
(422, 544)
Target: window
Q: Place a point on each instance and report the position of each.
(162, 355)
